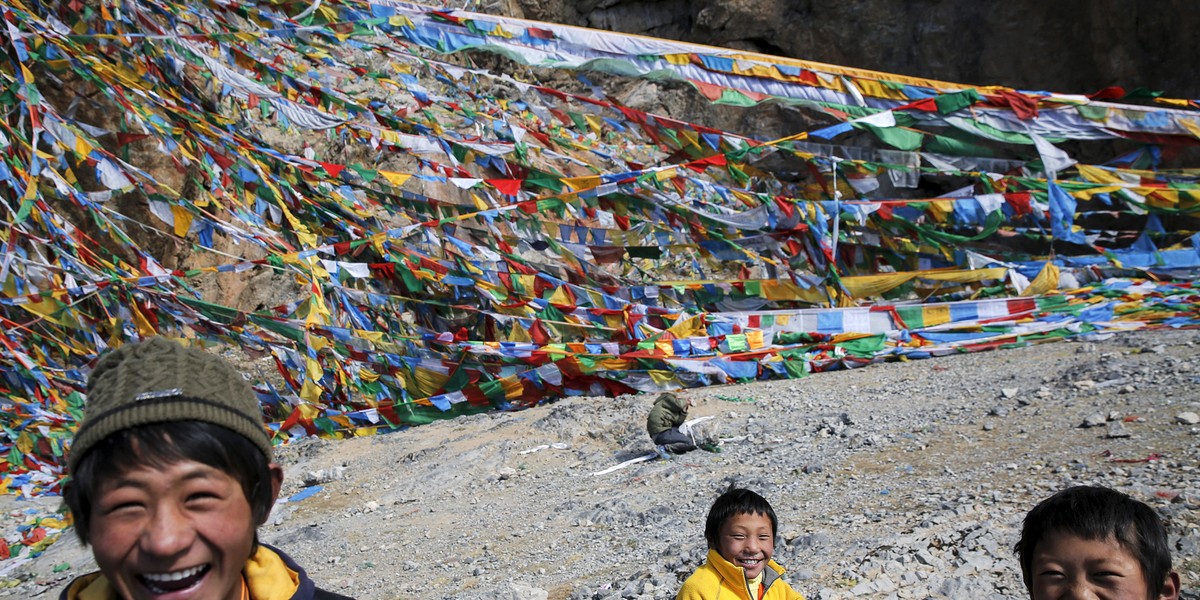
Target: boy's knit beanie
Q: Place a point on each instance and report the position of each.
(158, 381)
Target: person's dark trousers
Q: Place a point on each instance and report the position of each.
(674, 440)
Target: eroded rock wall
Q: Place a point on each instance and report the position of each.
(1071, 46)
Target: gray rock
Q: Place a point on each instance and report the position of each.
(1094, 420)
(924, 557)
(1117, 429)
(321, 476)
(1187, 418)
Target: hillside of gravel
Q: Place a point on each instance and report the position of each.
(895, 480)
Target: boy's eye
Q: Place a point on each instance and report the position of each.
(121, 507)
(202, 496)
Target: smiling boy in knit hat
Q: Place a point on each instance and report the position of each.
(171, 475)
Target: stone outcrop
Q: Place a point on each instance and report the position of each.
(1070, 46)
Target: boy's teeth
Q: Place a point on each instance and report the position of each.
(175, 576)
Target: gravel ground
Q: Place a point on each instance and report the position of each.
(896, 480)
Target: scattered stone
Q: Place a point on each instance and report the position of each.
(323, 476)
(1094, 420)
(1117, 429)
(521, 591)
(453, 509)
(1187, 418)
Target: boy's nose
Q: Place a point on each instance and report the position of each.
(1078, 590)
(169, 532)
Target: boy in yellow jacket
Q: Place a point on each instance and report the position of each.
(740, 531)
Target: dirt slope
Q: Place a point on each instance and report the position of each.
(891, 481)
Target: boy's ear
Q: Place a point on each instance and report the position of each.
(276, 485)
(1170, 589)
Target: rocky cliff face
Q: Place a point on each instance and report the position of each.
(1070, 46)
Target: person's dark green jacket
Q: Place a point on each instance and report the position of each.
(669, 411)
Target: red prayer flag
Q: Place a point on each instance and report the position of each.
(508, 187)
(128, 138)
(1019, 201)
(1024, 106)
(1111, 92)
(332, 169)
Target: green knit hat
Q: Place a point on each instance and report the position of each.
(158, 381)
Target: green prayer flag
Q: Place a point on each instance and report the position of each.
(734, 98)
(494, 390)
(796, 368)
(737, 342)
(865, 346)
(896, 137)
(948, 103)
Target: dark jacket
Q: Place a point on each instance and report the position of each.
(304, 590)
(669, 411)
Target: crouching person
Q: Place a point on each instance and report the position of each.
(171, 475)
(663, 424)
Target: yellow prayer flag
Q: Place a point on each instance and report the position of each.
(306, 238)
(519, 334)
(941, 209)
(662, 377)
(82, 147)
(560, 296)
(183, 220)
(582, 183)
(754, 338)
(935, 315)
(145, 329)
(512, 387)
(1192, 125)
(1045, 282)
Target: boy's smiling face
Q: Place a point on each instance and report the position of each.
(182, 532)
(1066, 566)
(748, 541)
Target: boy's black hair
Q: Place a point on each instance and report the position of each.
(1098, 513)
(736, 501)
(159, 445)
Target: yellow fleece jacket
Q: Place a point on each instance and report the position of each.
(720, 579)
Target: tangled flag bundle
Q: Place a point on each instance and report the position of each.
(439, 237)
